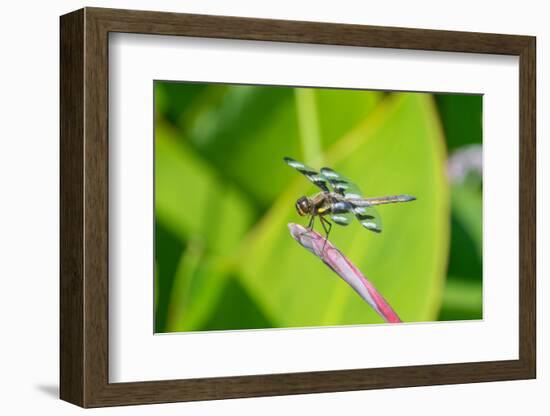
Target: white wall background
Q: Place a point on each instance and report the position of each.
(29, 206)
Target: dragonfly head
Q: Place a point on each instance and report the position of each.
(303, 206)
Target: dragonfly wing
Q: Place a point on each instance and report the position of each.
(367, 215)
(340, 184)
(309, 173)
(369, 218)
(341, 212)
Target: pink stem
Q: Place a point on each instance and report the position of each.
(342, 266)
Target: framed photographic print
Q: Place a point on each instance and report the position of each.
(255, 207)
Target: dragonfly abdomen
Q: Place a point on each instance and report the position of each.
(368, 202)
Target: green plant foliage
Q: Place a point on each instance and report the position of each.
(463, 293)
(462, 118)
(223, 198)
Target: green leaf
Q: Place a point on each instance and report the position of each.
(342, 109)
(245, 129)
(467, 204)
(461, 115)
(236, 310)
(308, 124)
(397, 149)
(462, 299)
(204, 214)
(168, 249)
(198, 286)
(193, 200)
(174, 99)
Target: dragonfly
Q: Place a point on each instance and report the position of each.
(339, 199)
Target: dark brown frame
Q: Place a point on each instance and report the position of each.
(84, 207)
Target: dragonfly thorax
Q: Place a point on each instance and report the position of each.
(319, 204)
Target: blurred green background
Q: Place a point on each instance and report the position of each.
(224, 258)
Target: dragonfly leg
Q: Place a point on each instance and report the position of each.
(325, 223)
(310, 224)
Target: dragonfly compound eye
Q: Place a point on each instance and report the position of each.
(302, 206)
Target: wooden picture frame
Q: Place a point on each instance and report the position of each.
(84, 207)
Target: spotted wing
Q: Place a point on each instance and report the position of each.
(367, 215)
(309, 173)
(341, 212)
(369, 218)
